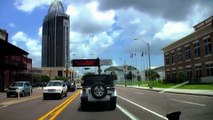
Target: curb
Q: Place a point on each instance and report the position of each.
(208, 95)
(12, 102)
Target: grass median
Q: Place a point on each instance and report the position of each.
(160, 84)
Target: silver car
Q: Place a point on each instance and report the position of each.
(21, 87)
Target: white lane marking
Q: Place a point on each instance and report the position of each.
(139, 93)
(209, 97)
(161, 116)
(176, 86)
(130, 115)
(188, 102)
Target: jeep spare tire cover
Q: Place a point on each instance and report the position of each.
(99, 91)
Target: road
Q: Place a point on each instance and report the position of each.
(131, 104)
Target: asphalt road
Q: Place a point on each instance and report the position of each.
(131, 104)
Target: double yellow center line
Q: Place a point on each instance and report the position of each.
(57, 110)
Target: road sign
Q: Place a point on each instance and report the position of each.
(105, 62)
(85, 62)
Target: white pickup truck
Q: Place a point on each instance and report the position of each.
(55, 88)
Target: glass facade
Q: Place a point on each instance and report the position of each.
(55, 37)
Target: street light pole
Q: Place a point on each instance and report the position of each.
(125, 72)
(149, 61)
(149, 70)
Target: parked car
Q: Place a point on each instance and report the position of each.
(55, 88)
(21, 87)
(71, 85)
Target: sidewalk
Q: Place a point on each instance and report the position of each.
(4, 101)
(178, 91)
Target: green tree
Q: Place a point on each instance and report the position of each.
(45, 78)
(153, 75)
(114, 75)
(36, 78)
(129, 76)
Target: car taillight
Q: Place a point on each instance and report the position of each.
(113, 89)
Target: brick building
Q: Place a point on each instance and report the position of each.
(191, 55)
(14, 63)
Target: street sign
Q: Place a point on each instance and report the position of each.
(105, 62)
(85, 62)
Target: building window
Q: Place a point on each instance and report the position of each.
(168, 74)
(189, 72)
(187, 52)
(60, 73)
(167, 59)
(173, 74)
(208, 46)
(198, 71)
(209, 69)
(173, 58)
(180, 59)
(197, 50)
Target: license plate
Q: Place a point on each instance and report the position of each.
(51, 90)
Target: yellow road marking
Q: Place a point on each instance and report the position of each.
(62, 108)
(54, 112)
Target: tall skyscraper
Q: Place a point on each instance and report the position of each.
(55, 37)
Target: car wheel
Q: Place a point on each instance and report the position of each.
(113, 104)
(8, 95)
(44, 97)
(22, 94)
(61, 95)
(66, 94)
(99, 91)
(83, 105)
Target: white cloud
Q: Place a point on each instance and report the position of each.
(86, 18)
(102, 40)
(30, 5)
(12, 25)
(136, 21)
(40, 32)
(85, 46)
(30, 45)
(173, 31)
(89, 36)
(114, 63)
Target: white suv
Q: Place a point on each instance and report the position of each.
(55, 88)
(98, 88)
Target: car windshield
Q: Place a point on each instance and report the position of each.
(54, 84)
(17, 84)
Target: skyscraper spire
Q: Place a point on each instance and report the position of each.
(56, 8)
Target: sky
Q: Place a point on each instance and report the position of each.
(108, 29)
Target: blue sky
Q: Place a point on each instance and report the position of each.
(107, 28)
